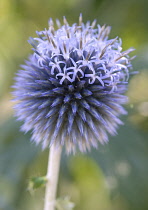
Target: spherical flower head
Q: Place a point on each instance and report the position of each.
(70, 92)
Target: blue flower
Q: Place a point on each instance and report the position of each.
(71, 90)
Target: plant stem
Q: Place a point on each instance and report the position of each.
(52, 177)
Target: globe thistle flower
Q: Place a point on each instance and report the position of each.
(70, 91)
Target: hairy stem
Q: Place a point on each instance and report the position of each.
(52, 177)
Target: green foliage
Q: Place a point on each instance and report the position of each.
(36, 182)
(16, 154)
(64, 204)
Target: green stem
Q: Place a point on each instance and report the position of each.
(52, 177)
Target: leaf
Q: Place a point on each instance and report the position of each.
(36, 182)
(64, 204)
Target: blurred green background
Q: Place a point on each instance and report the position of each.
(114, 177)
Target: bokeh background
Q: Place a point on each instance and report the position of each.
(114, 177)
